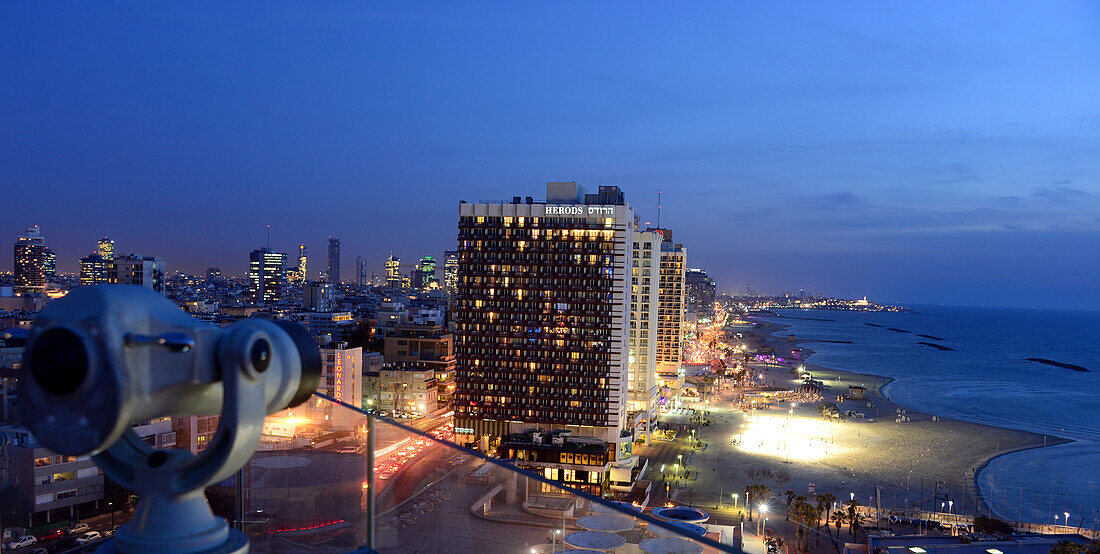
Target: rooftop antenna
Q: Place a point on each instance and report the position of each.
(658, 208)
(269, 236)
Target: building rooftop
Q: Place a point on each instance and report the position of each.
(556, 440)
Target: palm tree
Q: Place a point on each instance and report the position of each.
(790, 498)
(825, 503)
(804, 513)
(854, 518)
(754, 494)
(839, 519)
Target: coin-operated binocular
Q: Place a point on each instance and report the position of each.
(105, 357)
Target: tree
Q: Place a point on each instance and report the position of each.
(754, 494)
(825, 503)
(790, 498)
(991, 526)
(854, 518)
(1070, 547)
(839, 519)
(803, 513)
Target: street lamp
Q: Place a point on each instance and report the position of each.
(1067, 518)
(852, 496)
(734, 500)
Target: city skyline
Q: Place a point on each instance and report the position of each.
(909, 154)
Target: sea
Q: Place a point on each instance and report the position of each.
(986, 378)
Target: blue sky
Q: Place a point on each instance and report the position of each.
(921, 154)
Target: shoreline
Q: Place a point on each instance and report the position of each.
(768, 332)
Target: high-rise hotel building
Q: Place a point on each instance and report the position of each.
(644, 277)
(542, 312)
(671, 306)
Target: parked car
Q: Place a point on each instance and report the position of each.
(88, 537)
(79, 528)
(40, 550)
(51, 535)
(20, 542)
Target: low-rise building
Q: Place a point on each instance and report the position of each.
(337, 325)
(402, 388)
(428, 346)
(579, 462)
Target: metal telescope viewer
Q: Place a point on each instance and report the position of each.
(105, 357)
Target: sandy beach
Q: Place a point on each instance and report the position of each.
(919, 457)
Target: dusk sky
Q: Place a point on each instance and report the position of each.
(935, 153)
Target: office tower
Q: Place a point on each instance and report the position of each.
(644, 276)
(699, 289)
(424, 273)
(541, 314)
(144, 271)
(30, 261)
(49, 265)
(671, 308)
(450, 271)
(94, 270)
(334, 260)
(393, 272)
(266, 275)
(106, 248)
(297, 276)
(98, 267)
(213, 275)
(362, 274)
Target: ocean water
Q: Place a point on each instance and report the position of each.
(987, 379)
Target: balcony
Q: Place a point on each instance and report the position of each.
(350, 481)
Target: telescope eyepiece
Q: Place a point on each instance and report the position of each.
(261, 355)
(59, 361)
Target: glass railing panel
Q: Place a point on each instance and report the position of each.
(432, 495)
(305, 489)
(315, 484)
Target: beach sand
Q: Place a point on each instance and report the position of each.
(938, 457)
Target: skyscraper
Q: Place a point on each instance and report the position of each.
(298, 275)
(450, 271)
(670, 320)
(541, 317)
(106, 248)
(266, 275)
(424, 273)
(362, 274)
(49, 265)
(30, 261)
(97, 267)
(644, 274)
(699, 289)
(95, 270)
(393, 272)
(334, 260)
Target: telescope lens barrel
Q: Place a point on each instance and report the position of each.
(59, 361)
(310, 354)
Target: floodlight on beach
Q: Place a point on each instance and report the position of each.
(788, 436)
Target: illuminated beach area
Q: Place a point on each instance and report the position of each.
(788, 436)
